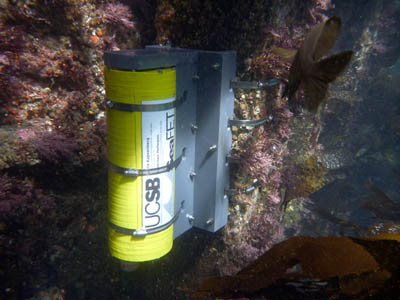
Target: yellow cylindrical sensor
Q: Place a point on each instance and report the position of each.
(140, 136)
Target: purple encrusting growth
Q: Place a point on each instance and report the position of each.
(19, 197)
(54, 147)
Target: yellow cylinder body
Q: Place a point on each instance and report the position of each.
(140, 140)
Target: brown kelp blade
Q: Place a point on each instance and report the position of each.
(320, 39)
(327, 70)
(327, 38)
(286, 54)
(330, 68)
(315, 91)
(295, 77)
(360, 266)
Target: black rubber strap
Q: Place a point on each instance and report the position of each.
(248, 190)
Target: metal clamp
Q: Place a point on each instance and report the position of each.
(248, 190)
(250, 123)
(249, 85)
(146, 172)
(140, 232)
(145, 107)
(232, 160)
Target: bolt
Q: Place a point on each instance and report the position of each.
(209, 221)
(216, 66)
(190, 218)
(109, 103)
(212, 148)
(192, 175)
(194, 128)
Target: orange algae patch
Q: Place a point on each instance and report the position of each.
(94, 39)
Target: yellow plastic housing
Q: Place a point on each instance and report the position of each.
(124, 146)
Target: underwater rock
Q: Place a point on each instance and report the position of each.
(380, 204)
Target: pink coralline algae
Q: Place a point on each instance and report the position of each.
(254, 225)
(250, 233)
(118, 14)
(254, 222)
(51, 80)
(120, 25)
(26, 134)
(263, 154)
(266, 229)
(258, 161)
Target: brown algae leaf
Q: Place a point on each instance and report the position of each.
(358, 264)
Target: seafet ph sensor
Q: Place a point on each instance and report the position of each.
(168, 137)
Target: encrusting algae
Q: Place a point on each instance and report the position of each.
(310, 176)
